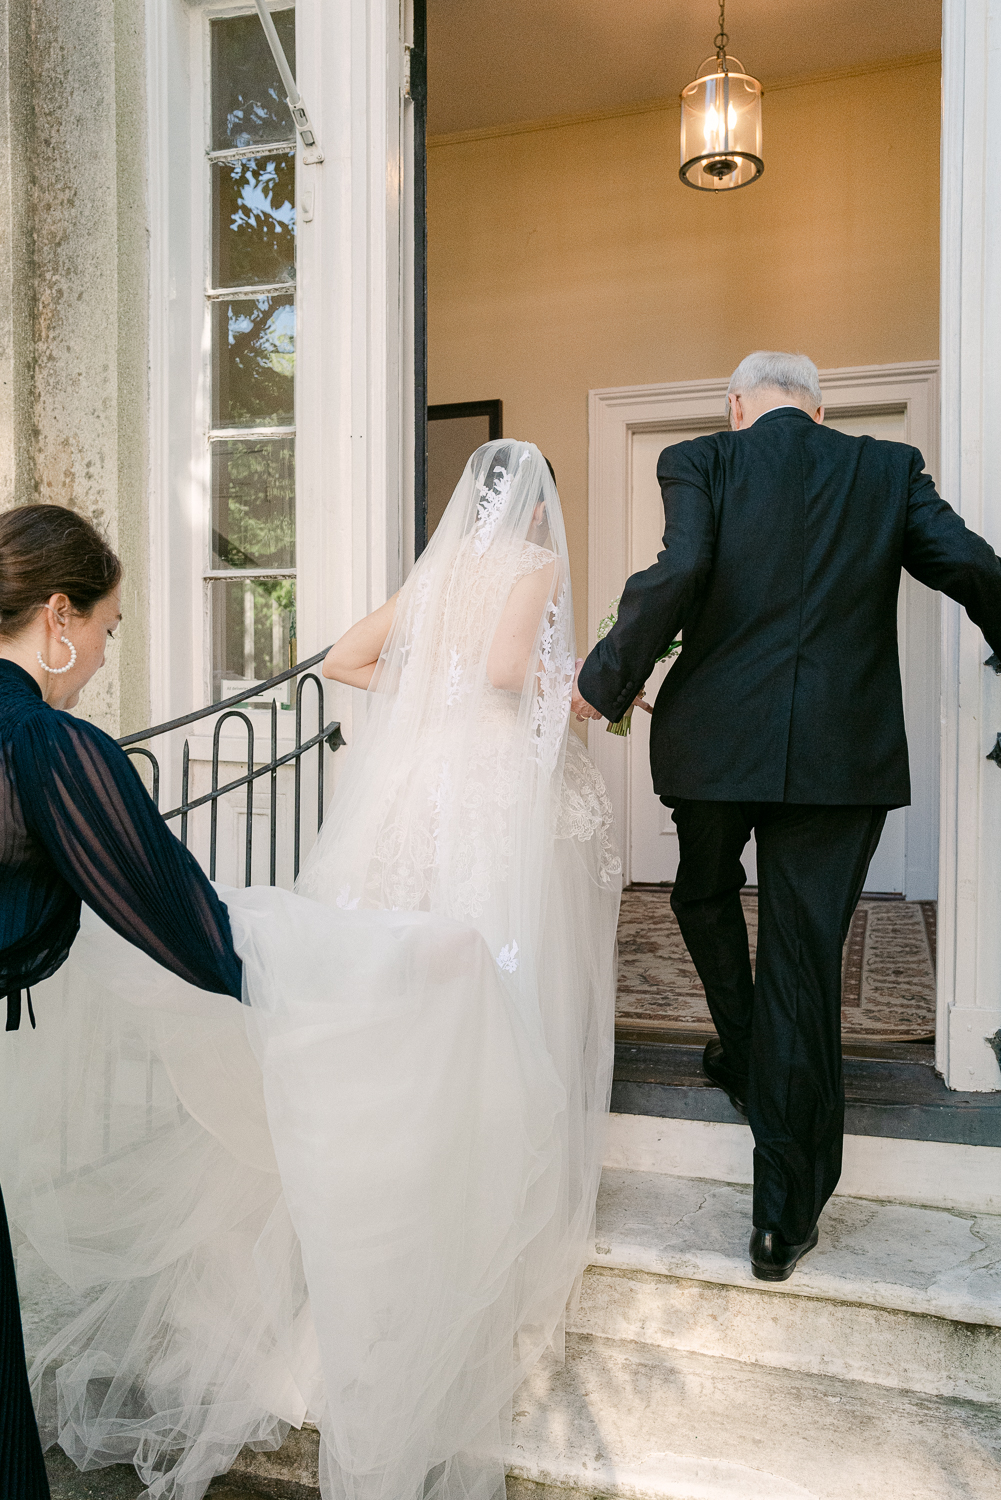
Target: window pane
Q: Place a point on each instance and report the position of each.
(253, 503)
(248, 100)
(253, 630)
(253, 234)
(253, 361)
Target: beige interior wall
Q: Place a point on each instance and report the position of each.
(569, 257)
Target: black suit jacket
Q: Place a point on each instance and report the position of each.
(783, 548)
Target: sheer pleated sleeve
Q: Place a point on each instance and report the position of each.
(85, 803)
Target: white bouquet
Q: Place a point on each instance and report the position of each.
(623, 725)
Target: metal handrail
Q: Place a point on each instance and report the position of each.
(214, 708)
(328, 735)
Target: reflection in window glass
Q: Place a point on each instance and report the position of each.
(253, 503)
(253, 627)
(253, 358)
(248, 100)
(254, 220)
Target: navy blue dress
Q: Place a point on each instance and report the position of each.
(76, 824)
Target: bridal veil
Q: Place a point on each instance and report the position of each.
(363, 1199)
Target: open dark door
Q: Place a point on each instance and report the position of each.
(419, 97)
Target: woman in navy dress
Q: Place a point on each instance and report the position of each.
(76, 824)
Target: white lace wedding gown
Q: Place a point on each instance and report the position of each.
(364, 1198)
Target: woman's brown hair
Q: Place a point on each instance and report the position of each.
(46, 550)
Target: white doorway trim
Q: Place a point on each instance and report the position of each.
(969, 929)
(618, 412)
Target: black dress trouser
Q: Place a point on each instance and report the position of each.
(781, 1029)
(22, 1467)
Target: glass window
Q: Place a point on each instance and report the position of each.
(253, 361)
(253, 503)
(251, 302)
(253, 233)
(253, 630)
(248, 101)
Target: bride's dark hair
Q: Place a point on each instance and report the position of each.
(46, 550)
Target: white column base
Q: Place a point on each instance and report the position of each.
(973, 1065)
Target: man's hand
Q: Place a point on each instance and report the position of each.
(579, 705)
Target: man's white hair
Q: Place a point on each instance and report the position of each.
(768, 370)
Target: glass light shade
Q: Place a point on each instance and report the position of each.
(721, 130)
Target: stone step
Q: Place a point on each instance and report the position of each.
(645, 1423)
(889, 1331)
(875, 1371)
(937, 1174)
(892, 1091)
(894, 1294)
(291, 1472)
(630, 1420)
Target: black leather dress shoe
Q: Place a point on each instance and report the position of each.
(716, 1070)
(774, 1260)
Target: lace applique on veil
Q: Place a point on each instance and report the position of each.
(585, 808)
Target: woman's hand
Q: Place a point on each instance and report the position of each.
(579, 705)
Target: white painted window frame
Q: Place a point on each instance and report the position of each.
(213, 294)
(354, 357)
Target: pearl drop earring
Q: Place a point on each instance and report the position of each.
(58, 671)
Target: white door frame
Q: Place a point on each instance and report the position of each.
(969, 926)
(615, 414)
(618, 412)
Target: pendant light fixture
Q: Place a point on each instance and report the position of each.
(721, 122)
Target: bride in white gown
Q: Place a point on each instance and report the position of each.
(364, 1199)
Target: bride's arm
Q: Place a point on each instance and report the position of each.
(353, 658)
(511, 649)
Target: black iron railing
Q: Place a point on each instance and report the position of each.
(327, 736)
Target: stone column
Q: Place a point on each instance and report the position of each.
(969, 1020)
(73, 294)
(90, 312)
(16, 467)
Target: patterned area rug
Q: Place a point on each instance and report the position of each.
(887, 977)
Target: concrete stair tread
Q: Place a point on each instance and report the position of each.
(939, 1262)
(626, 1419)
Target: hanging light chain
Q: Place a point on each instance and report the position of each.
(721, 122)
(720, 39)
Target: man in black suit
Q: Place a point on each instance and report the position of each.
(783, 548)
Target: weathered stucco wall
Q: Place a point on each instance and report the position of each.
(73, 304)
(16, 467)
